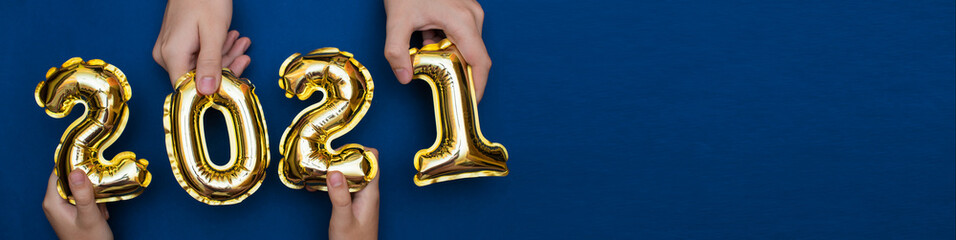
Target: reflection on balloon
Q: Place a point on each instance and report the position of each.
(186, 144)
(103, 89)
(460, 150)
(305, 145)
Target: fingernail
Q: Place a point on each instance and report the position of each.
(246, 47)
(402, 75)
(76, 177)
(207, 85)
(335, 179)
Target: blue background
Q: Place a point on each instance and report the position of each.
(623, 119)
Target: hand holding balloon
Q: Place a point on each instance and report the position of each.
(354, 216)
(195, 35)
(459, 20)
(85, 220)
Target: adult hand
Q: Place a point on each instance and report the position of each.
(460, 20)
(195, 35)
(86, 219)
(354, 216)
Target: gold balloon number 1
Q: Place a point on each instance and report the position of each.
(186, 145)
(460, 150)
(103, 89)
(305, 146)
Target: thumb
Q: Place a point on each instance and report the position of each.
(396, 51)
(82, 189)
(209, 62)
(340, 198)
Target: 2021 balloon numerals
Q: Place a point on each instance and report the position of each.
(103, 89)
(460, 150)
(305, 146)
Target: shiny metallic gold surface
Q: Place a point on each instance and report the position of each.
(103, 89)
(460, 150)
(186, 143)
(306, 144)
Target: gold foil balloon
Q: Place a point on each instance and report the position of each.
(103, 89)
(460, 150)
(186, 144)
(306, 145)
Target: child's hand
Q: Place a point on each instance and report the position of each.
(353, 217)
(195, 35)
(86, 220)
(460, 20)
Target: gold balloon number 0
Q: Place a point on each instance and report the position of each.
(103, 89)
(305, 146)
(186, 145)
(460, 150)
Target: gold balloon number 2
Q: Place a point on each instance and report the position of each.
(103, 89)
(305, 146)
(186, 145)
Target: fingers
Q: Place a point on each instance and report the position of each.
(86, 209)
(479, 15)
(239, 65)
(234, 51)
(366, 201)
(51, 192)
(397, 35)
(157, 53)
(370, 192)
(237, 49)
(230, 40)
(177, 57)
(209, 62)
(430, 36)
(340, 198)
(53, 205)
(105, 213)
(465, 35)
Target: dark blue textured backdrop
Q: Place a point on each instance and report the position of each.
(624, 119)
